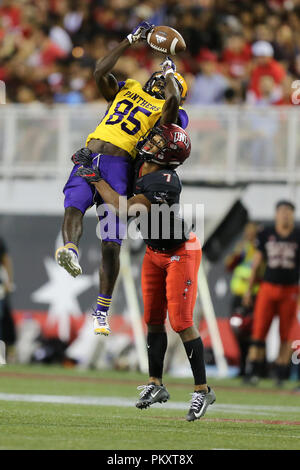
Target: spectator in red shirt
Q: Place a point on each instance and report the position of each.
(10, 14)
(48, 51)
(236, 56)
(265, 65)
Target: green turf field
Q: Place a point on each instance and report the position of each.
(45, 407)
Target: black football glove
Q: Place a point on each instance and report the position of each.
(90, 175)
(82, 157)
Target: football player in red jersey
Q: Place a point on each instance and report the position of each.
(279, 248)
(171, 262)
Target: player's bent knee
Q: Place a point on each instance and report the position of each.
(179, 327)
(189, 333)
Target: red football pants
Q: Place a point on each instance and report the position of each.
(273, 299)
(169, 284)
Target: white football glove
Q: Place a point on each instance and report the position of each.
(168, 66)
(140, 32)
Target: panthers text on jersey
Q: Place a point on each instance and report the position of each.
(131, 114)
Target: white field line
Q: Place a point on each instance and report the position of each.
(125, 402)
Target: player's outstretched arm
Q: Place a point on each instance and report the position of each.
(121, 204)
(105, 80)
(123, 207)
(172, 94)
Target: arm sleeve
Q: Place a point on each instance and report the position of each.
(121, 84)
(183, 119)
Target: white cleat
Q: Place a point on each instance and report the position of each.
(68, 260)
(101, 326)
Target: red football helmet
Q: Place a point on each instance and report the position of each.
(167, 145)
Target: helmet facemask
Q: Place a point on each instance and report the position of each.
(155, 86)
(152, 147)
(167, 145)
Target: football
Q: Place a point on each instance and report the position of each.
(166, 40)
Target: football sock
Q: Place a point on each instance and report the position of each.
(282, 372)
(72, 247)
(254, 368)
(156, 348)
(195, 353)
(103, 303)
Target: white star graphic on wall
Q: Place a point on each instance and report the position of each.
(61, 292)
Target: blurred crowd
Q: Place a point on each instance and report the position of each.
(237, 50)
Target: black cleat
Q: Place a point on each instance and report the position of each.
(151, 394)
(199, 403)
(279, 383)
(251, 380)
